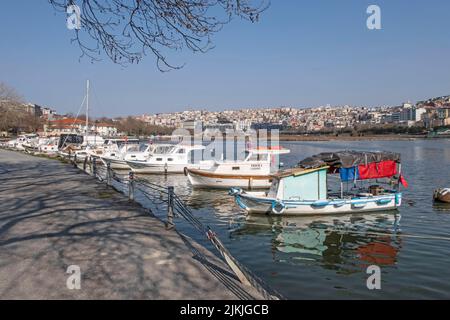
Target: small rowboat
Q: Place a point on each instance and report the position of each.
(442, 195)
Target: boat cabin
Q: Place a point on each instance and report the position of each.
(300, 184)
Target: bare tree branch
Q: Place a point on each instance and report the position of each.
(127, 30)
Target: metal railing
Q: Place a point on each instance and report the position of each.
(175, 207)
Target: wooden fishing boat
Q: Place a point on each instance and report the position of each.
(254, 172)
(304, 190)
(442, 195)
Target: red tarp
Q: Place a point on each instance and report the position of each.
(374, 170)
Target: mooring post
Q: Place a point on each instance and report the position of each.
(85, 164)
(131, 186)
(94, 167)
(170, 196)
(75, 160)
(108, 174)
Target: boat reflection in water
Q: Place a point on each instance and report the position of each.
(344, 242)
(441, 206)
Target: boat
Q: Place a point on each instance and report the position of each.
(80, 146)
(115, 151)
(21, 142)
(166, 158)
(442, 195)
(254, 172)
(304, 190)
(48, 146)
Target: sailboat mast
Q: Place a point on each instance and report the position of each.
(87, 108)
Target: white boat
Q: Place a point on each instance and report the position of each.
(304, 190)
(48, 146)
(166, 158)
(116, 151)
(77, 146)
(254, 172)
(21, 142)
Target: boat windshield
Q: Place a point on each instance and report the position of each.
(130, 148)
(143, 147)
(164, 149)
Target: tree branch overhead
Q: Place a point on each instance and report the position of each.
(128, 30)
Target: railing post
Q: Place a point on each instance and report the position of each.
(75, 160)
(131, 186)
(170, 194)
(108, 174)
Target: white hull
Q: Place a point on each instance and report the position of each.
(259, 203)
(203, 179)
(145, 167)
(115, 163)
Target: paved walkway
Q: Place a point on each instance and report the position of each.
(53, 216)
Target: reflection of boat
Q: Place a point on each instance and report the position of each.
(442, 195)
(253, 172)
(332, 240)
(304, 190)
(166, 158)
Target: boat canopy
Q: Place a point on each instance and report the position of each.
(355, 165)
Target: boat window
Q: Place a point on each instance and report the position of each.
(235, 168)
(181, 151)
(169, 159)
(158, 159)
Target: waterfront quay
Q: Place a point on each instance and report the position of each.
(53, 216)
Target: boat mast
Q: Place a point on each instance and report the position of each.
(87, 109)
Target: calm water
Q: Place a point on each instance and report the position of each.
(327, 257)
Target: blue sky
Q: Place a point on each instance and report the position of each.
(301, 53)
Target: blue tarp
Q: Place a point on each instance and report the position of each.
(348, 174)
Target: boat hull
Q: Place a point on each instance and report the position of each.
(153, 168)
(205, 179)
(442, 195)
(265, 205)
(115, 163)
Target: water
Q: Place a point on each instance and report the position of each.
(327, 257)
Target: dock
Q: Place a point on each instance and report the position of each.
(53, 216)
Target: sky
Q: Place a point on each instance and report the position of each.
(301, 53)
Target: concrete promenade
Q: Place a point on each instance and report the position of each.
(53, 216)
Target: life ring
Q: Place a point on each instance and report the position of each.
(278, 207)
(185, 170)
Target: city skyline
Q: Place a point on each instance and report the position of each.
(298, 55)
